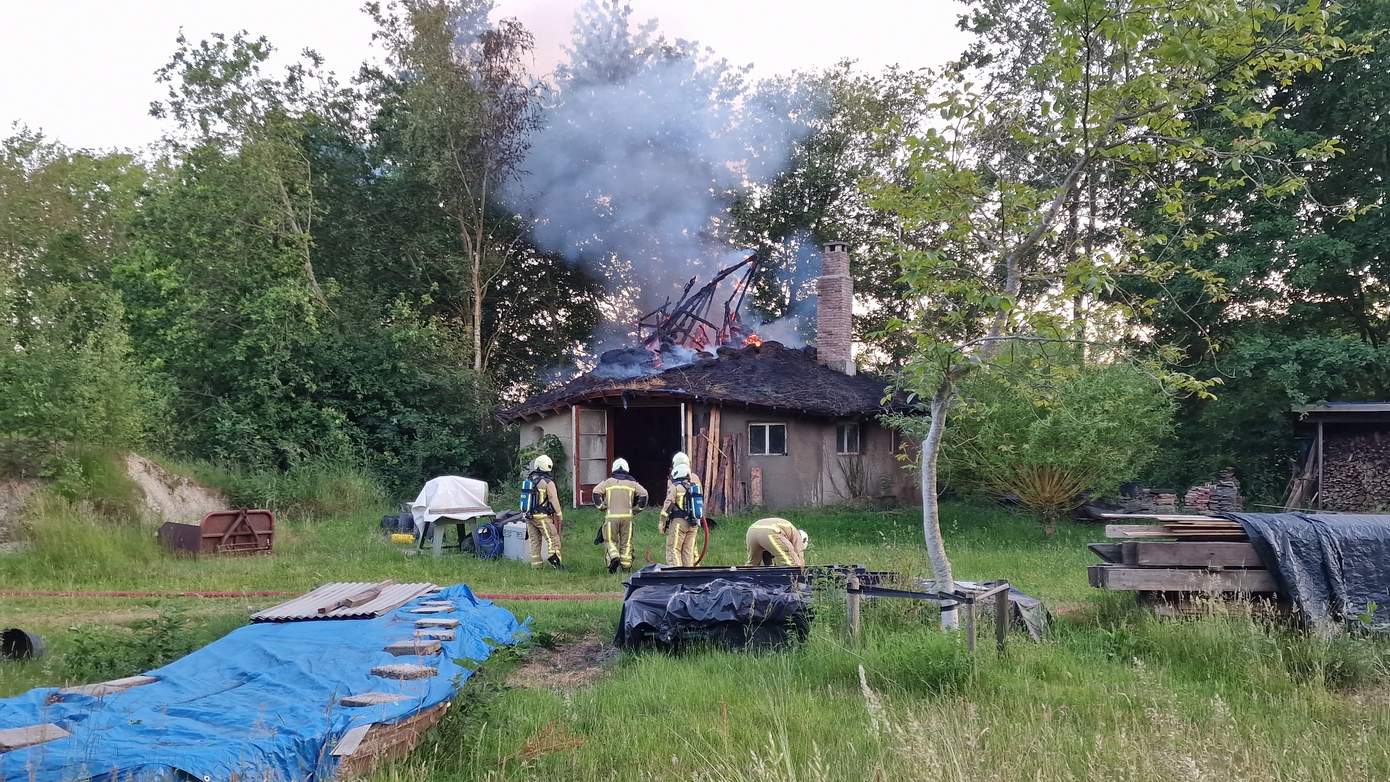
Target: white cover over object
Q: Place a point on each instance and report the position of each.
(450, 497)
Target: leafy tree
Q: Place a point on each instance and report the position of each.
(67, 372)
(1305, 314)
(467, 107)
(852, 126)
(990, 182)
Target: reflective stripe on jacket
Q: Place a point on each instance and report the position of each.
(620, 497)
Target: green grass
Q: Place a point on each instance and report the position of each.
(1113, 694)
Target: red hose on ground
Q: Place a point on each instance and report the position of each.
(483, 595)
(704, 522)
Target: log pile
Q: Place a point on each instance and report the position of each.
(1219, 496)
(1172, 561)
(1356, 473)
(719, 461)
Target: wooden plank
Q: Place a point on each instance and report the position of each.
(1189, 553)
(103, 689)
(414, 647)
(1173, 517)
(29, 735)
(351, 740)
(359, 599)
(1136, 531)
(435, 633)
(756, 489)
(1109, 552)
(450, 623)
(1128, 579)
(430, 610)
(373, 699)
(404, 671)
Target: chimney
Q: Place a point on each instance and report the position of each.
(834, 308)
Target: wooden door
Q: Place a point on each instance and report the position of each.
(593, 450)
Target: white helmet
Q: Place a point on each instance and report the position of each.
(680, 471)
(805, 539)
(544, 464)
(680, 458)
(620, 465)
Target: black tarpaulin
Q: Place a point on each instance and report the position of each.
(733, 612)
(1334, 567)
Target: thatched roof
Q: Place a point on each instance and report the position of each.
(770, 377)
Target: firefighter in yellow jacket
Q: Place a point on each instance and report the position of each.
(544, 514)
(620, 497)
(681, 512)
(777, 540)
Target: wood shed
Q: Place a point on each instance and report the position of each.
(1343, 457)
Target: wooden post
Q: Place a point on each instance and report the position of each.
(970, 626)
(756, 479)
(1001, 618)
(711, 475)
(852, 598)
(1319, 495)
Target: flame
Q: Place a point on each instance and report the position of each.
(754, 340)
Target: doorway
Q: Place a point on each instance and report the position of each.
(647, 437)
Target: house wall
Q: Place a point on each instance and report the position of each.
(811, 473)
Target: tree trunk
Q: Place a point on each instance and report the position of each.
(931, 512)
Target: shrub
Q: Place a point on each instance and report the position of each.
(1044, 432)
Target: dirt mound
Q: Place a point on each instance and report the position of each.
(172, 497)
(569, 665)
(13, 496)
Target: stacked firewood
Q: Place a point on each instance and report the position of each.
(719, 460)
(1219, 496)
(1356, 473)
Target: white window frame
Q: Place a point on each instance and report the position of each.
(765, 427)
(858, 438)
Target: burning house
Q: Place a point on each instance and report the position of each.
(764, 424)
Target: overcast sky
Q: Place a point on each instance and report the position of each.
(82, 70)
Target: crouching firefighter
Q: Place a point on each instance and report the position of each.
(776, 542)
(540, 501)
(681, 515)
(620, 497)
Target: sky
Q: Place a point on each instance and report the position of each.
(83, 71)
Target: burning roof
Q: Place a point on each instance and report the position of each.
(765, 375)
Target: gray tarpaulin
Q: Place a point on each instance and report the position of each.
(1334, 567)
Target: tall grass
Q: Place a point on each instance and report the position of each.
(310, 490)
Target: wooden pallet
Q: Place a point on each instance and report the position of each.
(1149, 579)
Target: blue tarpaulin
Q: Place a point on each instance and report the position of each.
(261, 703)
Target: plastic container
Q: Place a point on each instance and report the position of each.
(514, 542)
(15, 644)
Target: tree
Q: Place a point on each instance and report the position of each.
(851, 127)
(467, 108)
(1306, 310)
(988, 186)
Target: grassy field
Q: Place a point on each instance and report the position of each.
(1112, 694)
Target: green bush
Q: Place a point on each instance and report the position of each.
(1044, 432)
(103, 652)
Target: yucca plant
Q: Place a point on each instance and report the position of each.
(1048, 490)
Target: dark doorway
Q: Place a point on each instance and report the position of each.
(647, 437)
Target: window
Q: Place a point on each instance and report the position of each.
(767, 439)
(847, 438)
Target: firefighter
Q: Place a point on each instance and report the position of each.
(540, 501)
(620, 497)
(681, 514)
(776, 542)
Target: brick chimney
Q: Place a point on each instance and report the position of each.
(834, 308)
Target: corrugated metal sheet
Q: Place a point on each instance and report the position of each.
(307, 606)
